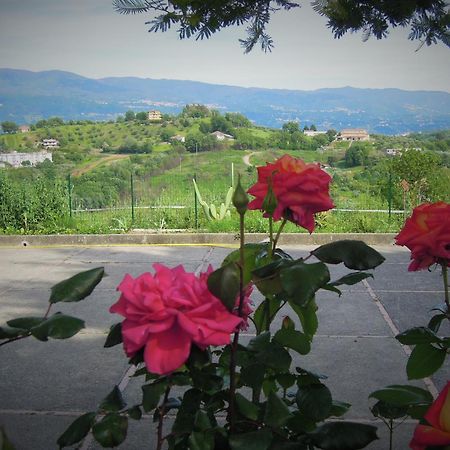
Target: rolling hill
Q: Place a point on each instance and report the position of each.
(26, 97)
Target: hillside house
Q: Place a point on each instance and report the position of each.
(392, 151)
(50, 143)
(353, 134)
(24, 128)
(312, 133)
(178, 138)
(154, 116)
(222, 136)
(15, 159)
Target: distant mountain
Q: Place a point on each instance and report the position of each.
(26, 97)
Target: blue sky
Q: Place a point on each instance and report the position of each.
(87, 37)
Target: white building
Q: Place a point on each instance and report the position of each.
(222, 136)
(50, 143)
(312, 133)
(154, 115)
(16, 159)
(353, 134)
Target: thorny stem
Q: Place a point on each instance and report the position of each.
(162, 413)
(277, 237)
(445, 278)
(271, 246)
(17, 338)
(234, 345)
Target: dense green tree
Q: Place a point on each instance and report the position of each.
(219, 123)
(357, 154)
(427, 20)
(9, 127)
(142, 116)
(129, 116)
(195, 111)
(291, 127)
(237, 120)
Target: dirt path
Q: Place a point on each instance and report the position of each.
(99, 162)
(246, 158)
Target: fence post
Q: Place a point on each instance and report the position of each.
(390, 193)
(195, 205)
(69, 190)
(132, 198)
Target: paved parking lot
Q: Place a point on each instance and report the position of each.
(44, 386)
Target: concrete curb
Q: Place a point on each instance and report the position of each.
(58, 240)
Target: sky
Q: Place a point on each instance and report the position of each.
(89, 38)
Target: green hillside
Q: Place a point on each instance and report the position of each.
(101, 157)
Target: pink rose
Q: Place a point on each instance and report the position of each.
(427, 234)
(167, 312)
(437, 433)
(301, 190)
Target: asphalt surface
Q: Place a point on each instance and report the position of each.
(45, 386)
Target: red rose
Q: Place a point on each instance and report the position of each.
(301, 190)
(437, 433)
(167, 312)
(427, 234)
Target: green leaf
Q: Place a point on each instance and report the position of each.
(135, 412)
(77, 430)
(58, 326)
(111, 431)
(25, 323)
(261, 314)
(277, 413)
(251, 252)
(293, 339)
(113, 402)
(184, 422)
(300, 424)
(388, 411)
(201, 421)
(301, 281)
(5, 443)
(435, 322)
(343, 435)
(246, 407)
(151, 393)
(305, 377)
(224, 284)
(424, 360)
(78, 287)
(338, 408)
(355, 255)
(285, 380)
(9, 333)
(201, 440)
(314, 401)
(402, 395)
(418, 335)
(114, 336)
(352, 278)
(307, 315)
(255, 440)
(253, 375)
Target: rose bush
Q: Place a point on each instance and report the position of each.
(427, 234)
(167, 312)
(437, 432)
(300, 190)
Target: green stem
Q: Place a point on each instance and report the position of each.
(391, 433)
(270, 253)
(445, 278)
(162, 413)
(277, 237)
(234, 345)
